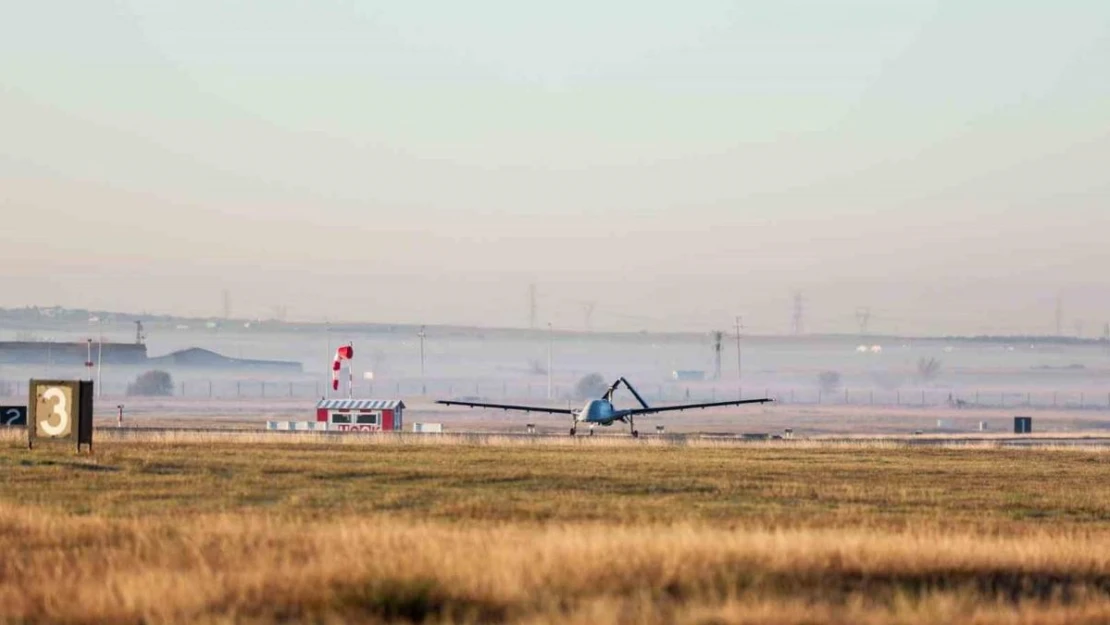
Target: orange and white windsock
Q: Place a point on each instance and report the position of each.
(345, 352)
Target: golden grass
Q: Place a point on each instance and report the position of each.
(232, 530)
(252, 567)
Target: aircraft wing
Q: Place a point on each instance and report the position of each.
(680, 407)
(474, 404)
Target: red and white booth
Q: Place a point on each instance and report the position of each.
(361, 415)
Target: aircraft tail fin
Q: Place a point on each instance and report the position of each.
(634, 393)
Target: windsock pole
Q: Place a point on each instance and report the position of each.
(345, 352)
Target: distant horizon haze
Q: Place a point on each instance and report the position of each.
(940, 164)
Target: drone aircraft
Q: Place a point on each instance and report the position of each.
(601, 411)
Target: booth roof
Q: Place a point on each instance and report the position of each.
(360, 404)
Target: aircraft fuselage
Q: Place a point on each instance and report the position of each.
(601, 412)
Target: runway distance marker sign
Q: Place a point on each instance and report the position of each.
(13, 415)
(60, 410)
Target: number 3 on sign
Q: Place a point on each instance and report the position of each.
(61, 410)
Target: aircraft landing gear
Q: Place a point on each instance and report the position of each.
(591, 429)
(573, 431)
(632, 426)
(635, 433)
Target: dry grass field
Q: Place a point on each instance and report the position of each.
(259, 528)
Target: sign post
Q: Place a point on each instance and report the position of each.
(13, 415)
(60, 410)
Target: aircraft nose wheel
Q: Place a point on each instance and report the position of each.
(573, 431)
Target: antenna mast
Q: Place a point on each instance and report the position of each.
(717, 336)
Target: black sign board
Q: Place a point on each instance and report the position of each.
(60, 410)
(13, 415)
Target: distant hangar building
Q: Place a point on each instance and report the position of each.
(204, 359)
(49, 353)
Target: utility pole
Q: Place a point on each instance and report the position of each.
(423, 384)
(327, 380)
(350, 376)
(863, 318)
(550, 342)
(739, 358)
(588, 313)
(99, 359)
(717, 336)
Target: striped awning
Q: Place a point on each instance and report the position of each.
(360, 404)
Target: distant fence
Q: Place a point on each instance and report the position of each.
(962, 399)
(662, 393)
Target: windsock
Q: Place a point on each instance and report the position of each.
(345, 352)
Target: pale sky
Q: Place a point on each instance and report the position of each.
(944, 163)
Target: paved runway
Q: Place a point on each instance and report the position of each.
(1083, 440)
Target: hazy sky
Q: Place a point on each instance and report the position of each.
(945, 163)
